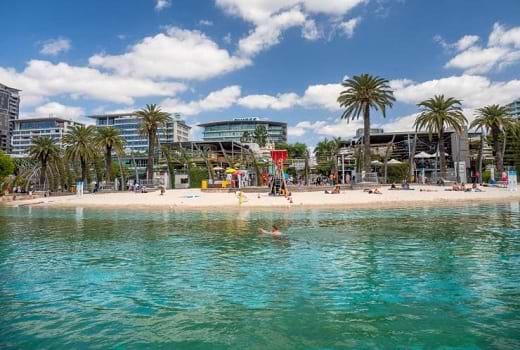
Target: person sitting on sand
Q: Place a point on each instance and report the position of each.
(274, 231)
(405, 185)
(392, 186)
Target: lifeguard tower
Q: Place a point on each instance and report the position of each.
(278, 185)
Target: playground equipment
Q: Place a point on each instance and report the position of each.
(278, 184)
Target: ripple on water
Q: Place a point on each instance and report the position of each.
(391, 278)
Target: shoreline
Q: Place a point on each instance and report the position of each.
(196, 200)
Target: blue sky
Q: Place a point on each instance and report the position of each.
(280, 60)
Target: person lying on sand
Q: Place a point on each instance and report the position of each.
(336, 190)
(374, 191)
(475, 188)
(274, 231)
(427, 190)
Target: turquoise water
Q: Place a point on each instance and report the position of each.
(408, 278)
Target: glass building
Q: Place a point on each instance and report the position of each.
(9, 105)
(25, 130)
(128, 125)
(515, 108)
(233, 130)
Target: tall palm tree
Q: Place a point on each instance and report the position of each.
(362, 93)
(43, 150)
(80, 146)
(496, 120)
(152, 119)
(110, 140)
(437, 114)
(260, 135)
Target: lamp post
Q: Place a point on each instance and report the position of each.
(131, 152)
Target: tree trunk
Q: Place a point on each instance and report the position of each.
(412, 158)
(480, 157)
(43, 170)
(151, 150)
(108, 163)
(366, 137)
(442, 156)
(498, 152)
(83, 164)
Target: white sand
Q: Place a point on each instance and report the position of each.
(186, 199)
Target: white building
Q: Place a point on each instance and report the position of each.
(128, 125)
(25, 130)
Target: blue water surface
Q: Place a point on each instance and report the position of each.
(120, 279)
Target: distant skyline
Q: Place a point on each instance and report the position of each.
(280, 60)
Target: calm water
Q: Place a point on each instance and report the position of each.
(423, 278)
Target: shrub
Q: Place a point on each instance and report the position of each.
(398, 172)
(196, 176)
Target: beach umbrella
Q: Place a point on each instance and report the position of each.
(437, 154)
(394, 161)
(423, 155)
(218, 168)
(376, 163)
(230, 170)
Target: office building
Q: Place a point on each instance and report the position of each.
(25, 130)
(128, 125)
(9, 106)
(233, 130)
(514, 108)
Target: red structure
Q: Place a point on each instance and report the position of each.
(279, 156)
(278, 185)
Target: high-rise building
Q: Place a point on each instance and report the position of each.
(128, 124)
(9, 105)
(514, 108)
(233, 130)
(25, 130)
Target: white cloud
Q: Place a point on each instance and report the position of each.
(310, 30)
(271, 17)
(162, 4)
(56, 109)
(177, 53)
(475, 91)
(322, 96)
(205, 22)
(216, 100)
(281, 101)
(269, 32)
(466, 42)
(42, 79)
(501, 51)
(53, 47)
(347, 28)
(336, 128)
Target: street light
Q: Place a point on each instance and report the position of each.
(128, 150)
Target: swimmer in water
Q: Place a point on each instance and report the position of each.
(274, 231)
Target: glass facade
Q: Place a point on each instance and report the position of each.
(515, 108)
(128, 125)
(234, 130)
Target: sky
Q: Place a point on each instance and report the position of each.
(280, 60)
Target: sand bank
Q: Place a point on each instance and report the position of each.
(195, 199)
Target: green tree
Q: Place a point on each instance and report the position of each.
(260, 135)
(362, 93)
(246, 137)
(80, 146)
(494, 119)
(6, 165)
(110, 140)
(152, 119)
(437, 114)
(43, 150)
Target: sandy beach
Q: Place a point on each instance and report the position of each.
(195, 198)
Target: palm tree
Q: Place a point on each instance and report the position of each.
(437, 114)
(496, 120)
(152, 119)
(44, 150)
(109, 139)
(260, 135)
(80, 146)
(362, 93)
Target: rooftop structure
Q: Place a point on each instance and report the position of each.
(9, 106)
(128, 125)
(25, 130)
(233, 130)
